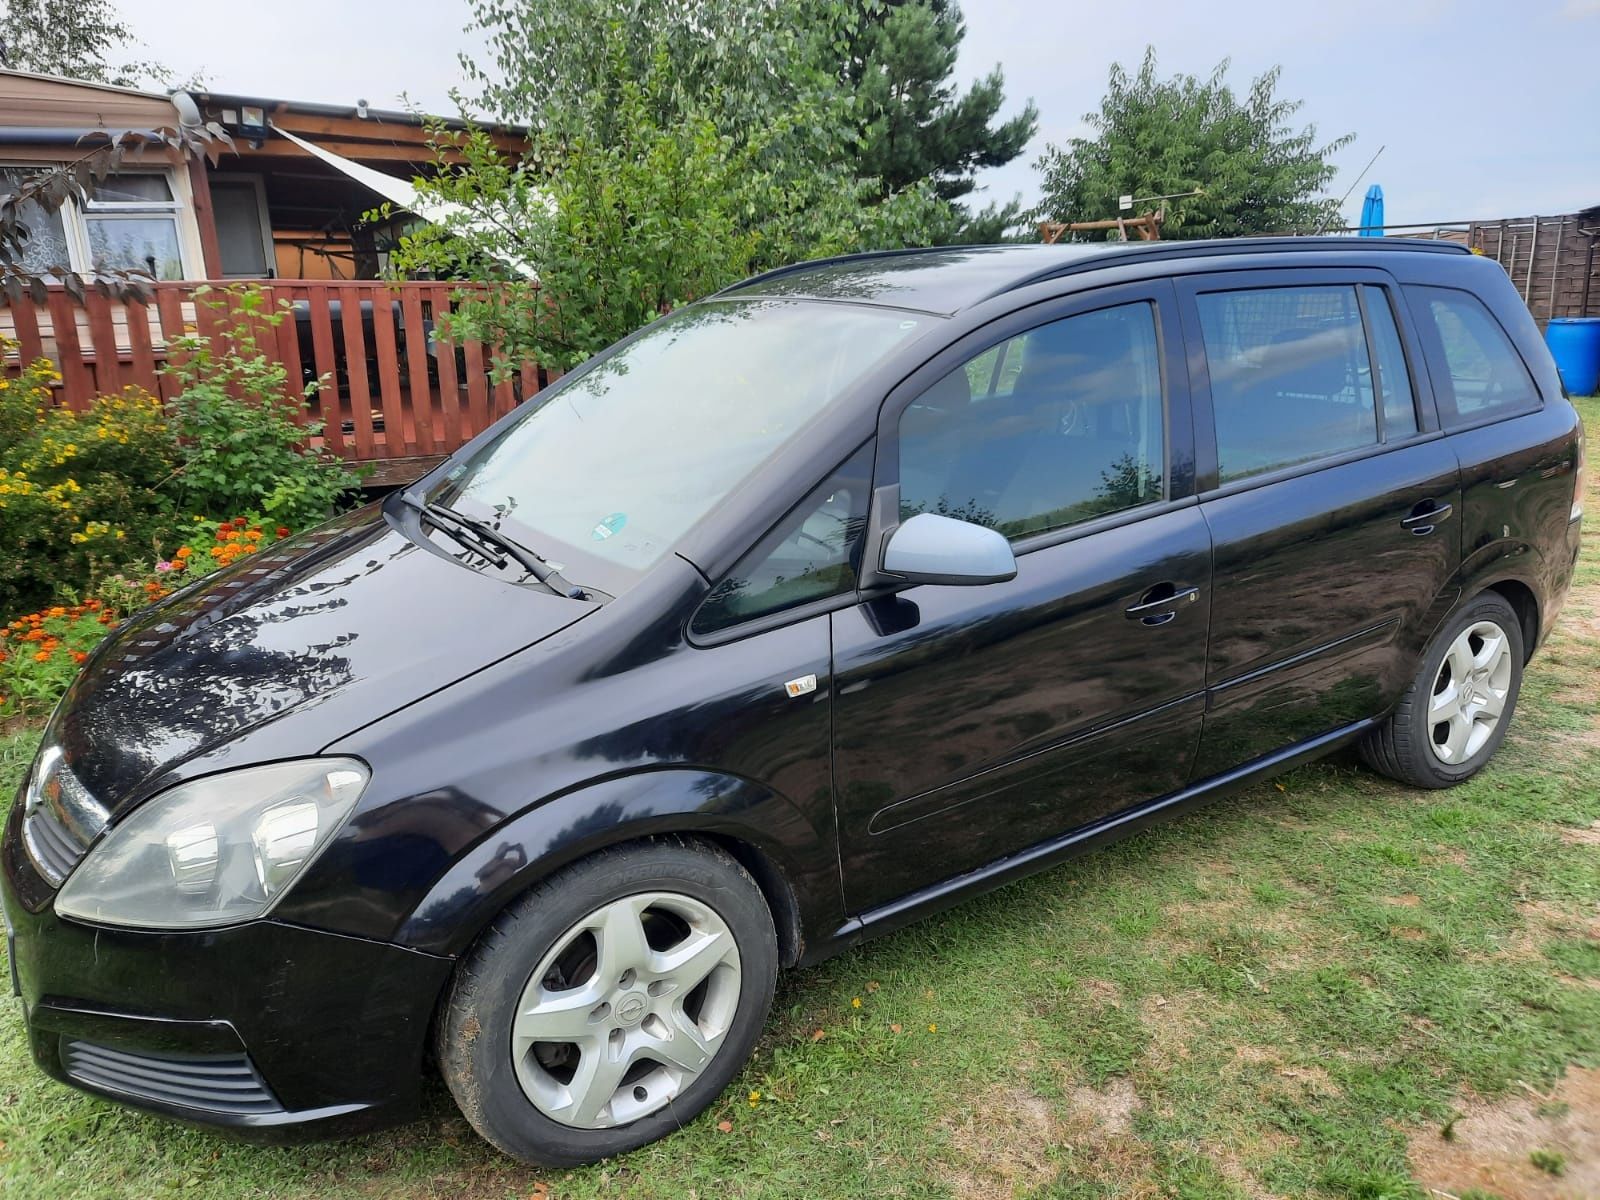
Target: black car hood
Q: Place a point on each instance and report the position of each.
(311, 639)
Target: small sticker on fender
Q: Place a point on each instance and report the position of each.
(801, 686)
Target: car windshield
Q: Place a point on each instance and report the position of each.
(612, 470)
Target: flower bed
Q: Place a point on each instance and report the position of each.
(41, 651)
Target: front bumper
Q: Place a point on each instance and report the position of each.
(271, 1030)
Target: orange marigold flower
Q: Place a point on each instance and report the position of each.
(42, 656)
(78, 656)
(184, 552)
(254, 535)
(58, 611)
(240, 522)
(35, 635)
(93, 606)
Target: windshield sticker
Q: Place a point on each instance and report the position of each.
(608, 526)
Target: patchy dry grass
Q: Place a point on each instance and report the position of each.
(1296, 992)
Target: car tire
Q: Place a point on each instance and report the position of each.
(536, 969)
(1434, 738)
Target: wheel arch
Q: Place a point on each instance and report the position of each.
(794, 864)
(1525, 603)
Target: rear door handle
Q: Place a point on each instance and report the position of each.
(1160, 604)
(1425, 516)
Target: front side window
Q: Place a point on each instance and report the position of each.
(610, 471)
(1049, 428)
(1291, 381)
(1485, 376)
(814, 554)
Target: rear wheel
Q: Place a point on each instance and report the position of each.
(1454, 715)
(610, 1005)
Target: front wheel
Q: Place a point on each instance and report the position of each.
(611, 1004)
(1454, 715)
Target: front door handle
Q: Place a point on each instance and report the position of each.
(1160, 604)
(1425, 516)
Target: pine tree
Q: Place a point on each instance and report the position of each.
(914, 122)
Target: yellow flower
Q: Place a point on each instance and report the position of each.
(933, 1029)
(855, 1002)
(755, 1099)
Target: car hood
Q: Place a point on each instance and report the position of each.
(287, 651)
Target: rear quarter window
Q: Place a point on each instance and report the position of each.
(1480, 375)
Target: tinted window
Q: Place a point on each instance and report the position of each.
(815, 553)
(1394, 381)
(1051, 427)
(1484, 374)
(1290, 377)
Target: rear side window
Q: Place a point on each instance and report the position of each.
(1394, 381)
(1484, 376)
(1054, 426)
(1292, 378)
(813, 554)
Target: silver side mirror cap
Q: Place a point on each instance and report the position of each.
(928, 548)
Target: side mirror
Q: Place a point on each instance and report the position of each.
(928, 548)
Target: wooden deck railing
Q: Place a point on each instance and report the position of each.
(393, 393)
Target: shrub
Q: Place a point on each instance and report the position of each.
(80, 492)
(241, 424)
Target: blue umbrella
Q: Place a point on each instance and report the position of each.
(1372, 213)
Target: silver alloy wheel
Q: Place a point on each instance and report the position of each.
(626, 1010)
(1469, 693)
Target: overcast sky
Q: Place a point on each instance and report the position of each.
(1484, 109)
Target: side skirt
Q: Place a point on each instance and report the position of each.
(929, 900)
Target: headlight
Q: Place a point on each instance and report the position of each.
(216, 851)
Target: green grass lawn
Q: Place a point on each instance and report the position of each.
(1329, 985)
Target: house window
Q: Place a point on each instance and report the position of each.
(47, 245)
(131, 223)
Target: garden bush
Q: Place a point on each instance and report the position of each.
(243, 436)
(80, 492)
(112, 489)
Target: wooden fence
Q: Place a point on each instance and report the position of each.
(1552, 260)
(392, 394)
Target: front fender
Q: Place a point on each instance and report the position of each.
(793, 854)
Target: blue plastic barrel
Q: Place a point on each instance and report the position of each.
(1575, 345)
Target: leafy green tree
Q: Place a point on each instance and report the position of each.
(631, 204)
(562, 65)
(914, 123)
(75, 38)
(1256, 173)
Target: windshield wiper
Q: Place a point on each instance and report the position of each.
(486, 540)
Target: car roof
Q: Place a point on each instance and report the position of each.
(948, 279)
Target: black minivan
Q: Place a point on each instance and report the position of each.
(856, 589)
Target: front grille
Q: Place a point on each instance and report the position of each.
(53, 850)
(216, 1083)
(60, 818)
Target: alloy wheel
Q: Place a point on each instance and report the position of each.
(626, 1010)
(1469, 694)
